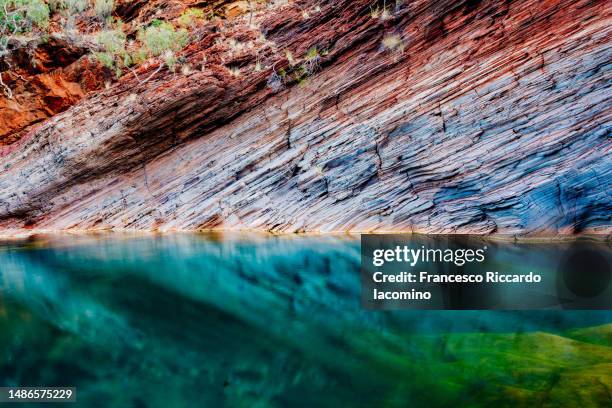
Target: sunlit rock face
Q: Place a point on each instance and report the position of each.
(449, 116)
(45, 78)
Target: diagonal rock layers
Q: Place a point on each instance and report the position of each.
(448, 117)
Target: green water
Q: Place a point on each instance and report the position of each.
(260, 321)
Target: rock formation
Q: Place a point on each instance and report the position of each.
(442, 117)
(48, 79)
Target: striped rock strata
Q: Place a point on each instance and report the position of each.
(448, 117)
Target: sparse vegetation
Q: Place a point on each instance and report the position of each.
(190, 17)
(159, 39)
(20, 16)
(234, 71)
(113, 48)
(386, 11)
(162, 39)
(16, 18)
(158, 43)
(114, 55)
(375, 12)
(71, 6)
(393, 43)
(69, 9)
(161, 36)
(289, 56)
(276, 81)
(235, 46)
(186, 69)
(382, 13)
(298, 71)
(311, 61)
(104, 8)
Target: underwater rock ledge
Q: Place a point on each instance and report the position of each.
(490, 117)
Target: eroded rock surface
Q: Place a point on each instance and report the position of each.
(485, 117)
(45, 78)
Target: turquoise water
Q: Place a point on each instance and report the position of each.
(257, 320)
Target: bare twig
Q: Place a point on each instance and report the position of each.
(6, 88)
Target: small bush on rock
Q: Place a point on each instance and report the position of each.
(190, 17)
(113, 54)
(104, 8)
(162, 39)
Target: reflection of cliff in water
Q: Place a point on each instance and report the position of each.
(245, 319)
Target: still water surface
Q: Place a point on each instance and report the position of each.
(266, 321)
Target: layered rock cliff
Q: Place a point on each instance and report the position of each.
(444, 116)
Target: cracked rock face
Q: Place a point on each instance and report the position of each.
(45, 78)
(486, 117)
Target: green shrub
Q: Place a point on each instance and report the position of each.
(68, 6)
(69, 9)
(37, 12)
(112, 41)
(159, 39)
(113, 54)
(190, 17)
(19, 16)
(104, 8)
(161, 36)
(162, 39)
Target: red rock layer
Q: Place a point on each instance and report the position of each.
(45, 79)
